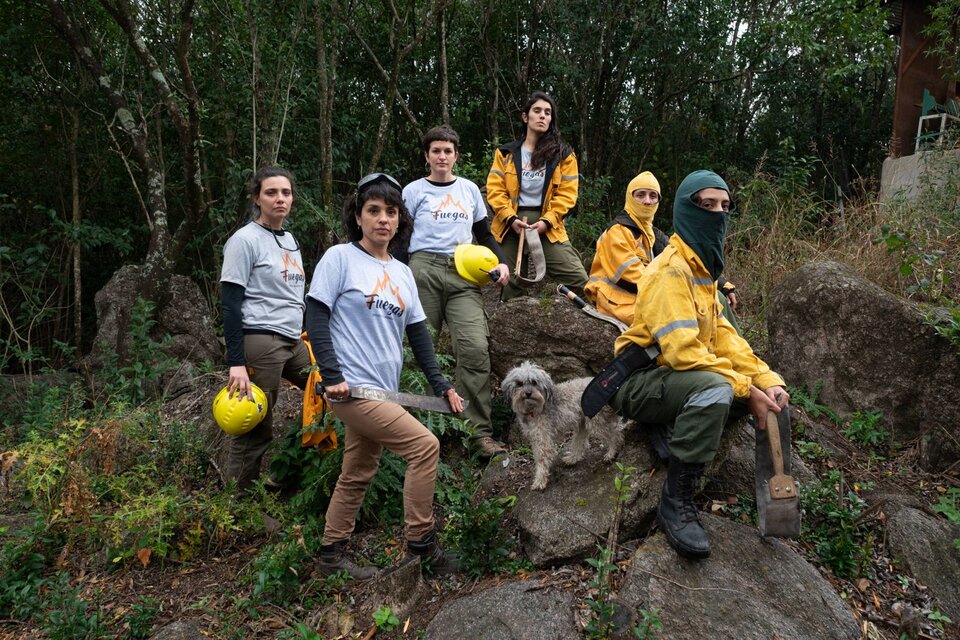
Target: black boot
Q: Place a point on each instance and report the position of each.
(433, 559)
(333, 559)
(677, 515)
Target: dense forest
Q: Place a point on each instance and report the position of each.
(130, 128)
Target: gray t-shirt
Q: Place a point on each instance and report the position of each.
(272, 277)
(443, 216)
(531, 181)
(371, 303)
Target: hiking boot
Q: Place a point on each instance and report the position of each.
(433, 559)
(677, 514)
(488, 447)
(333, 559)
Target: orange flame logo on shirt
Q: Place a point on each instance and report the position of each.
(450, 209)
(384, 285)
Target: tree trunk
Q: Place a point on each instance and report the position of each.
(444, 80)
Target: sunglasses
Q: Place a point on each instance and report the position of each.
(376, 178)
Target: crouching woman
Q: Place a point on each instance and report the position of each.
(361, 301)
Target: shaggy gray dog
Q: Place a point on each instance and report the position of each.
(546, 411)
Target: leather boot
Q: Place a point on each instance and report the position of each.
(333, 558)
(677, 514)
(433, 559)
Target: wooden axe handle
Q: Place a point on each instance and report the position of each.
(523, 234)
(776, 450)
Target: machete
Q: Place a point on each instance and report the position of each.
(430, 403)
(588, 309)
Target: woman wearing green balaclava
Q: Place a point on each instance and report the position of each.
(625, 249)
(705, 373)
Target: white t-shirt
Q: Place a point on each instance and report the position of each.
(443, 215)
(272, 277)
(371, 303)
(531, 181)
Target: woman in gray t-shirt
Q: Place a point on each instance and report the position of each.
(262, 284)
(362, 301)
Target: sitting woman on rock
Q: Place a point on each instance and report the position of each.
(361, 302)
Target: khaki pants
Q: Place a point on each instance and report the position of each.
(446, 297)
(564, 264)
(269, 358)
(697, 403)
(370, 426)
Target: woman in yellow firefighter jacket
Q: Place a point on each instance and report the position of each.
(625, 249)
(705, 373)
(536, 178)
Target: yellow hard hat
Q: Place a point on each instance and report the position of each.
(474, 263)
(238, 415)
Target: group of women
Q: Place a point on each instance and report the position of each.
(363, 298)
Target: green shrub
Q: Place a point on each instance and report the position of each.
(832, 526)
(864, 428)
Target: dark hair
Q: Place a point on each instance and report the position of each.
(257, 181)
(379, 191)
(550, 143)
(443, 133)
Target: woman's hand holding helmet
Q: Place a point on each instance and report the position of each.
(239, 381)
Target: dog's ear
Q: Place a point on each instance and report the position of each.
(509, 385)
(548, 388)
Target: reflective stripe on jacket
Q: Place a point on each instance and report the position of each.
(677, 307)
(503, 190)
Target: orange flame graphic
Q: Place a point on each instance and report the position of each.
(384, 284)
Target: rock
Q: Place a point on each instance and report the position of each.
(185, 323)
(870, 350)
(513, 611)
(749, 588)
(551, 332)
(400, 590)
(179, 630)
(573, 514)
(923, 544)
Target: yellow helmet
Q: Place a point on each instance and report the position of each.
(474, 263)
(237, 415)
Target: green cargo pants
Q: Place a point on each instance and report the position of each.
(564, 264)
(446, 297)
(269, 358)
(697, 403)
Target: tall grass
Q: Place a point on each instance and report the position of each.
(909, 247)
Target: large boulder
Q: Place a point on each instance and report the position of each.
(567, 520)
(512, 611)
(749, 588)
(923, 544)
(185, 323)
(552, 332)
(870, 350)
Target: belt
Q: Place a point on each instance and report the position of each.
(435, 258)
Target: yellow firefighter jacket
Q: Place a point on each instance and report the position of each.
(677, 307)
(503, 190)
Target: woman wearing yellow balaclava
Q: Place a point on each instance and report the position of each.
(626, 248)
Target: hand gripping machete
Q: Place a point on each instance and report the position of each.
(430, 403)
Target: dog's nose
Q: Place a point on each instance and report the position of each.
(528, 393)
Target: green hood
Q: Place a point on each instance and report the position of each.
(704, 231)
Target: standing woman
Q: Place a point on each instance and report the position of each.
(448, 211)
(360, 304)
(536, 177)
(263, 286)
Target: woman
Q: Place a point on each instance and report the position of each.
(448, 211)
(533, 185)
(263, 285)
(625, 249)
(361, 301)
